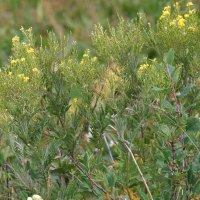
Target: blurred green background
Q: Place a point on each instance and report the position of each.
(77, 16)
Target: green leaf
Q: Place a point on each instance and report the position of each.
(166, 130)
(158, 66)
(181, 156)
(144, 196)
(170, 56)
(193, 125)
(186, 90)
(159, 157)
(86, 158)
(1, 158)
(175, 76)
(178, 132)
(165, 169)
(171, 69)
(126, 197)
(167, 104)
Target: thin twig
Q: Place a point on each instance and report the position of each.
(145, 183)
(108, 147)
(79, 167)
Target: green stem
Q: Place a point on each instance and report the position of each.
(127, 171)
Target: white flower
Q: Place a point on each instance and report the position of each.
(36, 197)
(29, 198)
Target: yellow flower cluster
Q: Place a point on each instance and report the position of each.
(94, 59)
(35, 70)
(85, 55)
(31, 50)
(180, 21)
(189, 4)
(166, 12)
(81, 62)
(16, 61)
(191, 28)
(15, 39)
(143, 67)
(21, 76)
(75, 100)
(192, 11)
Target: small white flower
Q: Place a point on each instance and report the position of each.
(29, 198)
(36, 197)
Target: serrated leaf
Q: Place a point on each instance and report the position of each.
(186, 90)
(193, 125)
(170, 56)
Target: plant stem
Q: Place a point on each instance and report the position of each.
(145, 183)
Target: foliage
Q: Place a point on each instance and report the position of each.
(133, 130)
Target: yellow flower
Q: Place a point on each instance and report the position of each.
(192, 11)
(154, 59)
(30, 29)
(75, 100)
(172, 23)
(10, 73)
(31, 50)
(149, 24)
(17, 60)
(191, 29)
(13, 62)
(189, 4)
(167, 8)
(180, 24)
(15, 39)
(166, 13)
(175, 4)
(186, 16)
(141, 68)
(179, 17)
(22, 59)
(94, 59)
(85, 55)
(22, 29)
(21, 75)
(35, 70)
(81, 62)
(162, 17)
(26, 79)
(88, 51)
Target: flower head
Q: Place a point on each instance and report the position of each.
(13, 62)
(75, 100)
(35, 70)
(15, 39)
(81, 62)
(172, 23)
(94, 59)
(85, 55)
(165, 13)
(191, 29)
(31, 50)
(9, 73)
(21, 75)
(30, 29)
(189, 4)
(36, 197)
(186, 16)
(26, 79)
(22, 29)
(22, 59)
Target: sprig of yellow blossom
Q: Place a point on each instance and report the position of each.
(15, 39)
(26, 79)
(189, 4)
(81, 62)
(31, 50)
(35, 70)
(75, 100)
(85, 55)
